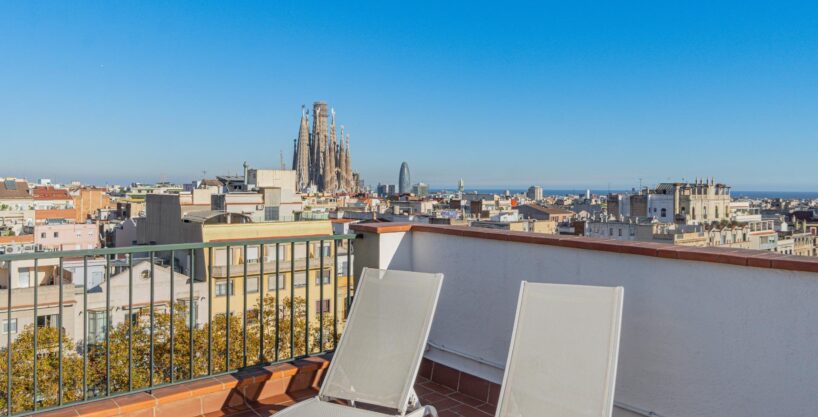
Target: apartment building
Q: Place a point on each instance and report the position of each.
(88, 200)
(165, 225)
(128, 295)
(538, 212)
(67, 236)
(16, 204)
(21, 277)
(50, 198)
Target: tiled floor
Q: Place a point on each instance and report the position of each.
(448, 403)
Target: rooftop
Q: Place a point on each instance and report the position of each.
(51, 193)
(700, 325)
(14, 189)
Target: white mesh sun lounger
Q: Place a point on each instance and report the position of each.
(563, 354)
(379, 353)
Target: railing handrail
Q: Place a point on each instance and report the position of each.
(169, 247)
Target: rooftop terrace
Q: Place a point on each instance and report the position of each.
(705, 331)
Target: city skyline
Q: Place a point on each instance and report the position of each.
(563, 96)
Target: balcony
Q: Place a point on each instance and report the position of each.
(727, 332)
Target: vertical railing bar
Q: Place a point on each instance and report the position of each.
(292, 300)
(321, 298)
(59, 341)
(85, 328)
(335, 296)
(8, 346)
(36, 332)
(261, 294)
(210, 283)
(130, 321)
(277, 310)
(244, 314)
(307, 300)
(172, 300)
(150, 378)
(107, 325)
(228, 294)
(349, 275)
(192, 270)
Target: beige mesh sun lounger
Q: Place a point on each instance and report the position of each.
(379, 353)
(563, 354)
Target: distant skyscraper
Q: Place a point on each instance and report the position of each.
(534, 193)
(461, 186)
(404, 181)
(421, 189)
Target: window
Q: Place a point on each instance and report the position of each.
(343, 268)
(48, 320)
(221, 289)
(252, 284)
(252, 255)
(220, 257)
(271, 213)
(56, 234)
(271, 283)
(300, 279)
(23, 279)
(326, 277)
(620, 232)
(10, 327)
(610, 231)
(322, 250)
(321, 305)
(96, 326)
(664, 212)
(97, 278)
(42, 235)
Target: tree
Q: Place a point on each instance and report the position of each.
(209, 351)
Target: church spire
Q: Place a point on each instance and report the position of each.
(301, 159)
(342, 163)
(351, 187)
(330, 185)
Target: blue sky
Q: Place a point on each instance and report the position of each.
(563, 94)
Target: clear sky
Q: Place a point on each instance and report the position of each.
(564, 94)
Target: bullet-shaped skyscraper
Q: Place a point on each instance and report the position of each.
(404, 182)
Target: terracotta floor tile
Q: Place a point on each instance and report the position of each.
(438, 388)
(469, 411)
(465, 399)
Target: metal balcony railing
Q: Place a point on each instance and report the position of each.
(156, 319)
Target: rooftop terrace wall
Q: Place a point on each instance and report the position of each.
(705, 331)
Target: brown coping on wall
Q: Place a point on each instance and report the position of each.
(251, 392)
(741, 257)
(264, 391)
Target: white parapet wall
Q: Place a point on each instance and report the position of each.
(698, 338)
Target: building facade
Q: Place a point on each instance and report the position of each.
(321, 159)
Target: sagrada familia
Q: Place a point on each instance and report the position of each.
(322, 163)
